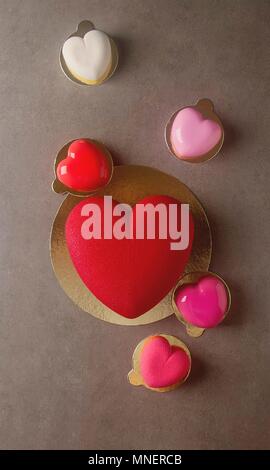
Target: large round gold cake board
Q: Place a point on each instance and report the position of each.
(129, 184)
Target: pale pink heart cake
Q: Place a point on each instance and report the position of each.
(192, 135)
(203, 304)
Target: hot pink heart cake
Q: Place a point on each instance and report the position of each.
(203, 304)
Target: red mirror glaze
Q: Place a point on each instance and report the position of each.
(86, 167)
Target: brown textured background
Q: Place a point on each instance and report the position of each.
(62, 372)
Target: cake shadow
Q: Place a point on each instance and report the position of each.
(124, 48)
(198, 370)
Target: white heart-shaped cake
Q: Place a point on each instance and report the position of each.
(89, 59)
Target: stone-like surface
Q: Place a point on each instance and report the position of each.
(63, 373)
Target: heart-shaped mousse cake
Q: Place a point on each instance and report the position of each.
(192, 135)
(163, 365)
(89, 59)
(86, 168)
(128, 275)
(203, 304)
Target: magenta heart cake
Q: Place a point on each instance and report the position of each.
(203, 304)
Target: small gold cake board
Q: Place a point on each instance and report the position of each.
(129, 184)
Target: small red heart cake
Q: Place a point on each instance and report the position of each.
(86, 168)
(161, 363)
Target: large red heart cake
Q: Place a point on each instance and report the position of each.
(130, 276)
